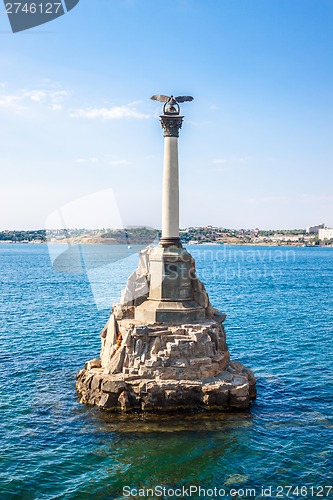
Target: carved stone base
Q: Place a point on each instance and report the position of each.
(185, 311)
(164, 346)
(161, 368)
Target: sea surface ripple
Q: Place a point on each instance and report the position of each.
(279, 305)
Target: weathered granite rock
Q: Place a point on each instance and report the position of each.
(162, 366)
(137, 287)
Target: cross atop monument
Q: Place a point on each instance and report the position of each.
(171, 121)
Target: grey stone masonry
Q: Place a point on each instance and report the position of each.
(164, 366)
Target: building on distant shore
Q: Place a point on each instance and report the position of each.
(314, 229)
(325, 233)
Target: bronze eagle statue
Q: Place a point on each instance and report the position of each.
(170, 99)
(171, 102)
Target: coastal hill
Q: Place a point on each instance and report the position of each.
(145, 236)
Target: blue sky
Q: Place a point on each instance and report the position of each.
(256, 144)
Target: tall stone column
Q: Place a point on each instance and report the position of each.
(171, 296)
(170, 203)
(164, 347)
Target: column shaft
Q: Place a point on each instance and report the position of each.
(170, 206)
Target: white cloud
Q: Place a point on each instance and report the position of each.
(53, 98)
(266, 199)
(113, 113)
(92, 159)
(232, 160)
(220, 169)
(315, 198)
(56, 107)
(219, 161)
(35, 95)
(21, 99)
(118, 162)
(11, 102)
(58, 96)
(224, 164)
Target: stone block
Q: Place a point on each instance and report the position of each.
(136, 287)
(179, 363)
(155, 396)
(109, 343)
(116, 363)
(127, 338)
(167, 374)
(252, 391)
(144, 352)
(191, 395)
(121, 311)
(178, 330)
(215, 314)
(171, 395)
(93, 363)
(124, 401)
(210, 349)
(136, 363)
(156, 346)
(110, 385)
(155, 333)
(153, 363)
(146, 372)
(138, 347)
(221, 345)
(103, 332)
(222, 358)
(209, 371)
(126, 361)
(95, 382)
(112, 330)
(200, 361)
(240, 390)
(215, 396)
(238, 402)
(108, 401)
(140, 330)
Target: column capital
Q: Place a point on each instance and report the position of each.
(171, 125)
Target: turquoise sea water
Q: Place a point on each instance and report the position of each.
(279, 305)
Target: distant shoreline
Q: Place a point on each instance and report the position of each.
(207, 235)
(206, 244)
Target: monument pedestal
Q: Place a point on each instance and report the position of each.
(176, 313)
(171, 292)
(165, 355)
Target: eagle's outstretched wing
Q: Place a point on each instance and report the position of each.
(162, 98)
(183, 98)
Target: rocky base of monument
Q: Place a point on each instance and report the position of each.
(162, 366)
(154, 369)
